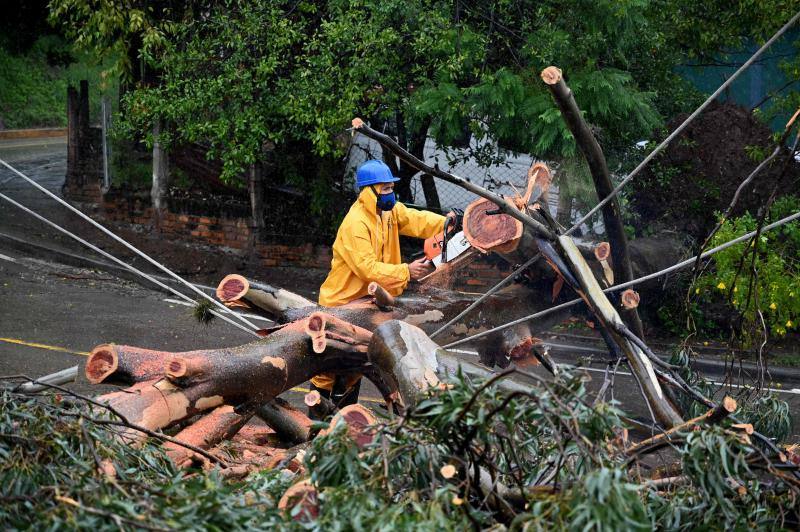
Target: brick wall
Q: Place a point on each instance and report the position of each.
(482, 274)
(234, 233)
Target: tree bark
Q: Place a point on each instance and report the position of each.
(602, 182)
(254, 373)
(431, 194)
(158, 192)
(288, 423)
(222, 423)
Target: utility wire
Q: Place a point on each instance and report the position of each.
(127, 245)
(634, 172)
(120, 262)
(488, 293)
(674, 267)
(685, 123)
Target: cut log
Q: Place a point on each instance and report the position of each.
(629, 298)
(602, 253)
(358, 419)
(510, 345)
(289, 424)
(488, 230)
(322, 327)
(237, 291)
(179, 367)
(254, 373)
(118, 364)
(383, 299)
(209, 430)
(302, 494)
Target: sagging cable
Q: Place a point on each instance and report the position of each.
(128, 245)
(120, 262)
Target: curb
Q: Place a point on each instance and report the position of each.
(38, 133)
(703, 364)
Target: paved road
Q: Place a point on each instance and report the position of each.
(45, 160)
(52, 314)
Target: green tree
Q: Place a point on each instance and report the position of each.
(245, 75)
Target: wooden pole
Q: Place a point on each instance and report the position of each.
(256, 189)
(73, 136)
(158, 192)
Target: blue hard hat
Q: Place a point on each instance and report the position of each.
(374, 172)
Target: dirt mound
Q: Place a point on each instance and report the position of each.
(699, 172)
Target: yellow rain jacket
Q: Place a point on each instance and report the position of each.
(367, 248)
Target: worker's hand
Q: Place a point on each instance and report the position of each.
(419, 268)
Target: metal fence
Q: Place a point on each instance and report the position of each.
(507, 178)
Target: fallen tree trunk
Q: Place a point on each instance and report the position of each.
(209, 430)
(428, 308)
(289, 423)
(641, 366)
(598, 168)
(192, 382)
(237, 291)
(565, 258)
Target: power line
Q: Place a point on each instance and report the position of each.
(118, 261)
(126, 244)
(674, 267)
(638, 168)
(685, 123)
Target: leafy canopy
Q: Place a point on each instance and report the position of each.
(245, 75)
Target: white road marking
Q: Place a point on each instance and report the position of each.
(6, 257)
(250, 316)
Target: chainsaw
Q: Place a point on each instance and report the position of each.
(452, 243)
(448, 244)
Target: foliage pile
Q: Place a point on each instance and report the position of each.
(699, 172)
(550, 457)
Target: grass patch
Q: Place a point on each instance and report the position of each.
(33, 85)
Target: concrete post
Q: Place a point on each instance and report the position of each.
(158, 192)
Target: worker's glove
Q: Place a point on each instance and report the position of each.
(455, 221)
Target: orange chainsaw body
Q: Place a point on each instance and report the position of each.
(433, 246)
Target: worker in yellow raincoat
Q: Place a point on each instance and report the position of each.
(367, 248)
